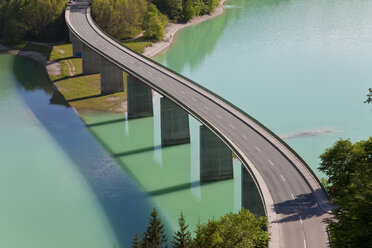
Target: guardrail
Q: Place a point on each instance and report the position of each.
(228, 103)
(200, 118)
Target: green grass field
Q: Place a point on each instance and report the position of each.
(82, 91)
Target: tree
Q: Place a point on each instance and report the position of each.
(369, 95)
(154, 236)
(136, 242)
(182, 238)
(349, 170)
(188, 11)
(239, 230)
(155, 29)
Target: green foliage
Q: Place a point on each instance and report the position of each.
(369, 96)
(41, 20)
(349, 170)
(182, 238)
(154, 236)
(136, 242)
(243, 229)
(185, 10)
(189, 11)
(154, 23)
(120, 18)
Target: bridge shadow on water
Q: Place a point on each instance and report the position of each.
(303, 205)
(125, 204)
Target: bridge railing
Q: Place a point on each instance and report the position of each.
(228, 103)
(290, 149)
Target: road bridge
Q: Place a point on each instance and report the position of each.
(288, 192)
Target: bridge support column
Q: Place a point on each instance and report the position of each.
(215, 157)
(174, 123)
(76, 45)
(111, 77)
(251, 199)
(139, 98)
(91, 60)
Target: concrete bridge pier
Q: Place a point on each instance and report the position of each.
(174, 123)
(139, 98)
(91, 60)
(251, 199)
(216, 161)
(111, 77)
(76, 44)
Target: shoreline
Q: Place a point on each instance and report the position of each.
(172, 29)
(53, 68)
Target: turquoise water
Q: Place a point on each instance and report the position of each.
(58, 186)
(299, 67)
(170, 175)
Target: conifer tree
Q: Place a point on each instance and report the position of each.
(136, 242)
(154, 236)
(182, 238)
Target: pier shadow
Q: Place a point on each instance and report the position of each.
(106, 122)
(68, 77)
(304, 205)
(137, 151)
(179, 187)
(86, 97)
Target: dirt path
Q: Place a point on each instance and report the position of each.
(71, 67)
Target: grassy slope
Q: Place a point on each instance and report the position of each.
(82, 91)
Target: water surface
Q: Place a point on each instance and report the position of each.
(301, 67)
(59, 187)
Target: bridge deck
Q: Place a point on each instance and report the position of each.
(290, 193)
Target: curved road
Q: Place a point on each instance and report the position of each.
(294, 200)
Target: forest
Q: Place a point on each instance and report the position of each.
(43, 20)
(348, 167)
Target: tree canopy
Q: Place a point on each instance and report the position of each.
(240, 230)
(182, 238)
(43, 20)
(349, 169)
(40, 20)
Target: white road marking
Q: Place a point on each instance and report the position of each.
(129, 61)
(232, 126)
(282, 178)
(305, 243)
(292, 196)
(271, 162)
(219, 117)
(182, 92)
(244, 137)
(160, 79)
(206, 107)
(258, 149)
(171, 85)
(194, 99)
(301, 220)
